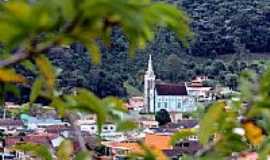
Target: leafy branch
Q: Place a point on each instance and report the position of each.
(34, 28)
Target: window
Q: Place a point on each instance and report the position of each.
(186, 144)
(185, 101)
(159, 104)
(179, 145)
(165, 104)
(179, 105)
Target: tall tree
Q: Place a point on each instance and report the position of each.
(163, 117)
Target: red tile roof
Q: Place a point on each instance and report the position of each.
(57, 128)
(158, 141)
(32, 138)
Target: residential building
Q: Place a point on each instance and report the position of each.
(201, 92)
(108, 131)
(10, 126)
(135, 104)
(33, 123)
(144, 123)
(92, 128)
(120, 150)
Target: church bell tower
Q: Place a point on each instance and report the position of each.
(149, 87)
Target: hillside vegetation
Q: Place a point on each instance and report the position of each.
(234, 29)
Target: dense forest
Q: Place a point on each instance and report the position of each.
(222, 28)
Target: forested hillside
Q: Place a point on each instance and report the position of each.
(239, 28)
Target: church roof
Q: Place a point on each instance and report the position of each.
(171, 89)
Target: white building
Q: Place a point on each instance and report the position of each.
(93, 129)
(172, 97)
(108, 131)
(197, 89)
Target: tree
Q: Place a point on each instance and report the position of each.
(163, 117)
(218, 66)
(231, 80)
(30, 29)
(174, 67)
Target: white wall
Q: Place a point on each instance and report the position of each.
(93, 129)
(175, 103)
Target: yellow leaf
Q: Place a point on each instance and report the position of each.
(65, 150)
(8, 75)
(46, 69)
(19, 9)
(253, 133)
(94, 52)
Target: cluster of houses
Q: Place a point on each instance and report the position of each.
(175, 98)
(115, 145)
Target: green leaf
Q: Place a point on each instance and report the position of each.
(181, 135)
(114, 104)
(83, 156)
(38, 150)
(13, 31)
(11, 88)
(19, 9)
(65, 150)
(88, 102)
(265, 149)
(60, 106)
(208, 124)
(126, 125)
(36, 89)
(67, 8)
(29, 65)
(230, 143)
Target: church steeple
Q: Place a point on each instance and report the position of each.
(150, 65)
(149, 86)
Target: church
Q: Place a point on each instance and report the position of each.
(159, 95)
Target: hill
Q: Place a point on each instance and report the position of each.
(234, 29)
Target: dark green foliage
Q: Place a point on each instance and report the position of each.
(100, 150)
(219, 29)
(163, 117)
(77, 71)
(223, 27)
(231, 80)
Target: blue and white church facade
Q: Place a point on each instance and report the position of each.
(158, 95)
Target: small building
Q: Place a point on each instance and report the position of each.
(201, 92)
(148, 123)
(120, 150)
(92, 128)
(33, 123)
(135, 104)
(108, 131)
(10, 126)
